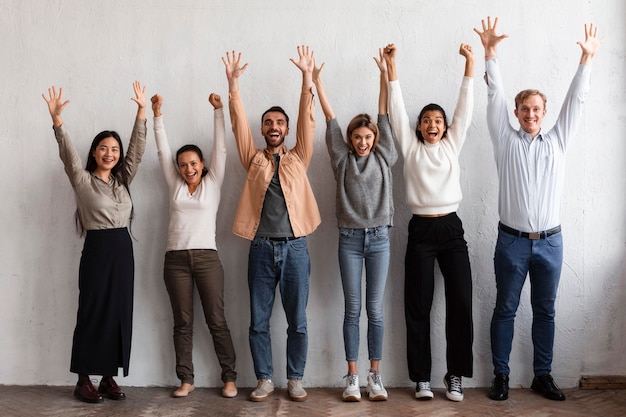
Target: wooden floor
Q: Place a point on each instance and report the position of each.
(34, 401)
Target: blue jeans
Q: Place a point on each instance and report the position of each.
(355, 246)
(287, 265)
(541, 259)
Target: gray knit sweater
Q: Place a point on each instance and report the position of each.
(364, 184)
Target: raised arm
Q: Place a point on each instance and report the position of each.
(305, 130)
(466, 51)
(217, 165)
(383, 93)
(137, 143)
(321, 92)
(489, 38)
(55, 105)
(238, 118)
(591, 44)
(166, 159)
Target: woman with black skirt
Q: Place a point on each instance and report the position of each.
(102, 336)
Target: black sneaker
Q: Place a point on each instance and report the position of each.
(454, 390)
(546, 386)
(499, 388)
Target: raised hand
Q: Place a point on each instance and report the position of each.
(55, 105)
(317, 73)
(466, 51)
(216, 101)
(140, 94)
(389, 53)
(157, 101)
(489, 38)
(232, 62)
(591, 44)
(306, 61)
(380, 61)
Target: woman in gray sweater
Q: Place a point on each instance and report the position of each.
(364, 210)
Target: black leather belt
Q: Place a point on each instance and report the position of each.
(531, 236)
(281, 239)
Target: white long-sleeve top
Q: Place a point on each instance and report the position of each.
(192, 217)
(431, 171)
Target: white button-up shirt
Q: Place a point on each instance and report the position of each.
(532, 171)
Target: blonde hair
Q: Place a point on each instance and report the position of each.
(524, 94)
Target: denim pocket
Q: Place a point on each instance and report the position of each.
(505, 239)
(382, 233)
(298, 244)
(556, 240)
(345, 232)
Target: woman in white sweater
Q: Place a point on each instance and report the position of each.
(433, 192)
(191, 256)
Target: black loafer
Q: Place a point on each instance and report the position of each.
(546, 386)
(109, 388)
(87, 393)
(499, 388)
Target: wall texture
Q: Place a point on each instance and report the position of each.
(94, 50)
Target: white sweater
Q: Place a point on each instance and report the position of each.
(432, 171)
(192, 217)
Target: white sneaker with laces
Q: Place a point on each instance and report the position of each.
(423, 391)
(296, 391)
(375, 388)
(454, 391)
(352, 392)
(264, 389)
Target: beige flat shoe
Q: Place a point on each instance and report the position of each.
(229, 390)
(184, 390)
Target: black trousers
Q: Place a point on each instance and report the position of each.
(441, 239)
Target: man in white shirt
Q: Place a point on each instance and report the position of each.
(531, 170)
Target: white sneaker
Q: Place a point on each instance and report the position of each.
(296, 391)
(264, 389)
(353, 391)
(423, 391)
(375, 387)
(454, 390)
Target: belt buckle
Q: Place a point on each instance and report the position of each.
(534, 236)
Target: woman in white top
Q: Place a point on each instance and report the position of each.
(191, 256)
(433, 192)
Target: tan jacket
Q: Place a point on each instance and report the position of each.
(301, 205)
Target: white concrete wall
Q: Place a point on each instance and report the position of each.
(94, 50)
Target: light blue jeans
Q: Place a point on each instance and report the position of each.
(541, 259)
(285, 264)
(355, 246)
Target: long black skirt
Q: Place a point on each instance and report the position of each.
(104, 323)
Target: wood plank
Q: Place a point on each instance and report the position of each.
(602, 382)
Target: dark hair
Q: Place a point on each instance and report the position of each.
(276, 109)
(362, 120)
(192, 148)
(119, 171)
(430, 107)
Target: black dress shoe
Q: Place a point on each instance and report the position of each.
(87, 393)
(499, 387)
(109, 388)
(546, 386)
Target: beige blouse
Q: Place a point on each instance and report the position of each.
(101, 205)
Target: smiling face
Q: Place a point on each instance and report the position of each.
(274, 128)
(432, 126)
(190, 166)
(362, 139)
(106, 154)
(530, 113)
